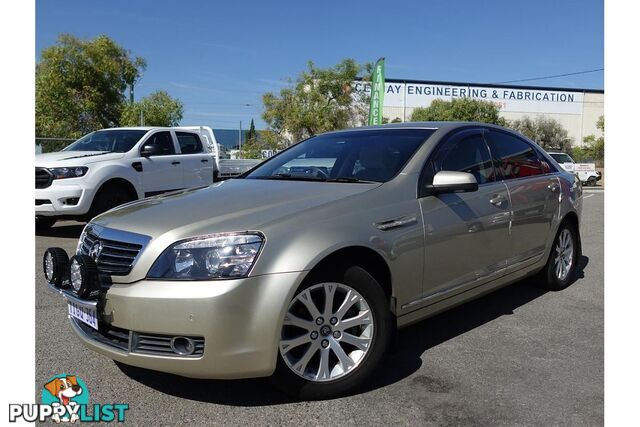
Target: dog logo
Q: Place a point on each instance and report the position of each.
(95, 251)
(66, 391)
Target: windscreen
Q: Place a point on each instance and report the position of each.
(118, 141)
(355, 156)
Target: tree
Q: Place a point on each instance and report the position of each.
(545, 131)
(251, 134)
(318, 101)
(80, 85)
(459, 109)
(158, 109)
(594, 146)
(264, 140)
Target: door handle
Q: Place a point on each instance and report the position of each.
(175, 163)
(553, 187)
(498, 200)
(204, 160)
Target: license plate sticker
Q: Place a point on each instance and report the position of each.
(84, 314)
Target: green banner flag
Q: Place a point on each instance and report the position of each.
(377, 93)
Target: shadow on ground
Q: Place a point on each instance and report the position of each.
(403, 361)
(67, 230)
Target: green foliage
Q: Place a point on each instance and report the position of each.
(459, 109)
(319, 100)
(251, 134)
(593, 149)
(264, 140)
(80, 85)
(545, 131)
(158, 109)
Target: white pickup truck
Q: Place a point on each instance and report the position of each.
(110, 167)
(585, 171)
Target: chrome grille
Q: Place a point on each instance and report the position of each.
(43, 178)
(161, 345)
(135, 342)
(116, 257)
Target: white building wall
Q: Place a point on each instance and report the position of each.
(577, 110)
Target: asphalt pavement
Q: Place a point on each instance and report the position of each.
(519, 356)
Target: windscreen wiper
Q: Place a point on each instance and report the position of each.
(288, 176)
(351, 179)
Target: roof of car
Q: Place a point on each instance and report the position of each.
(423, 125)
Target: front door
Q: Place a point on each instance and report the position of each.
(534, 190)
(466, 234)
(162, 172)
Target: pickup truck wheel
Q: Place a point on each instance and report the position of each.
(592, 181)
(108, 197)
(563, 260)
(335, 332)
(44, 223)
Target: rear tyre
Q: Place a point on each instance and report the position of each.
(592, 181)
(336, 331)
(560, 270)
(108, 197)
(44, 223)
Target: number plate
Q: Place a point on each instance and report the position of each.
(87, 315)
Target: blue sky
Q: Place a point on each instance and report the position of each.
(217, 57)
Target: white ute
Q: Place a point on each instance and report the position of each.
(110, 167)
(585, 171)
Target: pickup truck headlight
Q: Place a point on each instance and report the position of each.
(71, 172)
(217, 256)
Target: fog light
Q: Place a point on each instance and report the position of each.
(83, 275)
(54, 264)
(182, 345)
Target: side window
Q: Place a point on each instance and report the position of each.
(514, 157)
(189, 143)
(463, 152)
(164, 141)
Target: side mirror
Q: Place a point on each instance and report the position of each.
(150, 150)
(452, 182)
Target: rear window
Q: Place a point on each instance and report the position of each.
(189, 143)
(514, 157)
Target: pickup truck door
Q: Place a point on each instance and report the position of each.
(466, 234)
(534, 190)
(162, 172)
(197, 164)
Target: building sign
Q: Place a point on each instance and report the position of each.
(509, 99)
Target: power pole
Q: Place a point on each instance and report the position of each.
(240, 138)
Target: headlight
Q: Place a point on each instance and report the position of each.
(217, 256)
(72, 172)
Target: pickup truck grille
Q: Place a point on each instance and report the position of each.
(116, 258)
(43, 178)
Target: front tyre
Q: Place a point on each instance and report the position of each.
(561, 267)
(335, 332)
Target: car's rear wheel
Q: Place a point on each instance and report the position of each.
(592, 181)
(335, 332)
(563, 260)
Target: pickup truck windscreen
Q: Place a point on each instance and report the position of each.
(353, 156)
(117, 141)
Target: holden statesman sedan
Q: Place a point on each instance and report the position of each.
(303, 268)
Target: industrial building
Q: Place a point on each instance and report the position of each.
(577, 110)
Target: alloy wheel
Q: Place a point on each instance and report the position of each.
(327, 332)
(563, 261)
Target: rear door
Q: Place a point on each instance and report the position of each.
(197, 164)
(466, 234)
(534, 189)
(162, 172)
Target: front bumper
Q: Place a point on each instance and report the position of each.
(53, 200)
(240, 321)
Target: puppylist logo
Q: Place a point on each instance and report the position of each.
(65, 398)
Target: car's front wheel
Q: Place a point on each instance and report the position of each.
(563, 260)
(335, 331)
